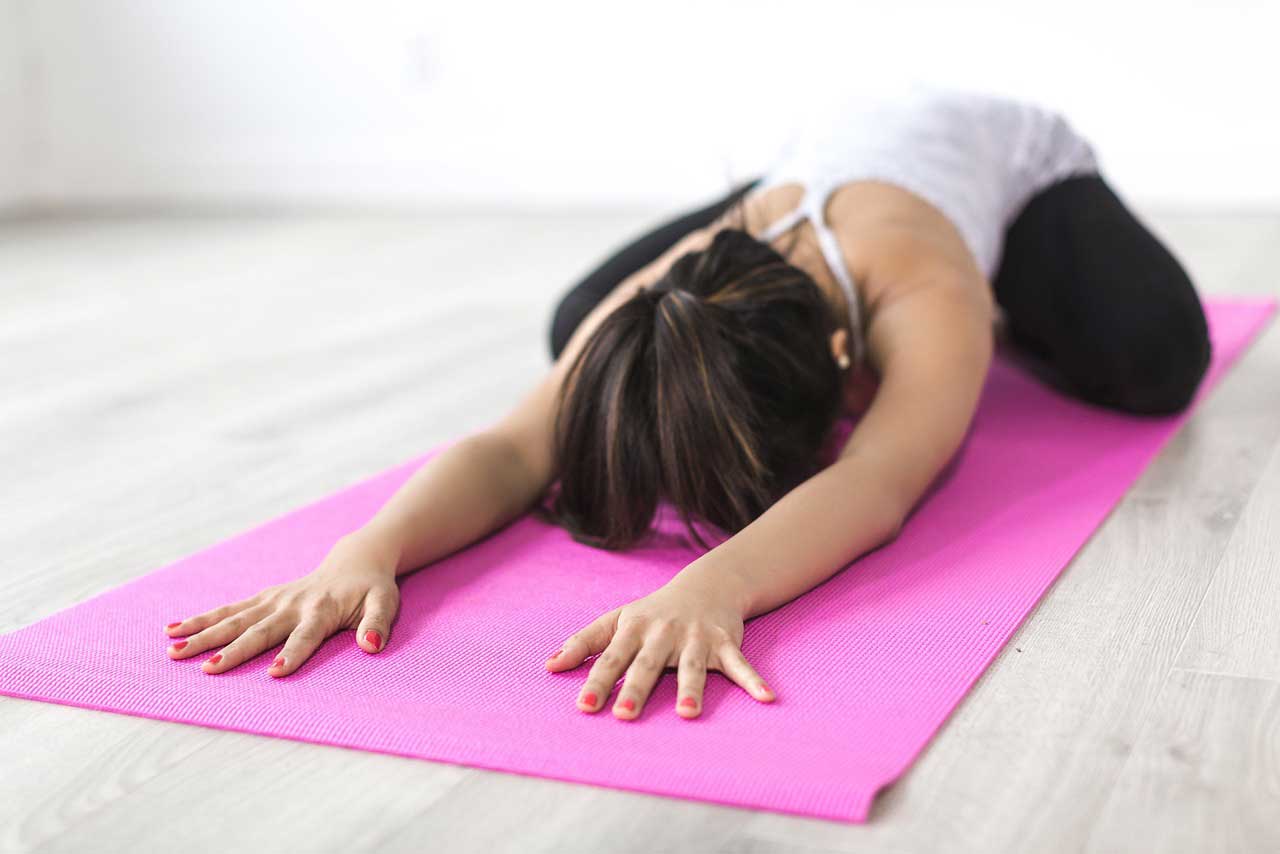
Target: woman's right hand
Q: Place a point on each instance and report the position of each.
(354, 587)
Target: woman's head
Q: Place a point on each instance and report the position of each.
(713, 389)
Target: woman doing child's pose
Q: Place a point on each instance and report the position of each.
(867, 272)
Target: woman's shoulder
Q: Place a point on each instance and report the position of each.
(892, 236)
(889, 236)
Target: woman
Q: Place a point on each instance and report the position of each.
(705, 363)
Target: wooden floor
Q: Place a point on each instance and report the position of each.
(169, 381)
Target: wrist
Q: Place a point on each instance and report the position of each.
(380, 545)
(720, 579)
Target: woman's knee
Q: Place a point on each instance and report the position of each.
(1153, 361)
(1144, 324)
(1185, 363)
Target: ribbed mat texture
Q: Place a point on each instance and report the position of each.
(866, 667)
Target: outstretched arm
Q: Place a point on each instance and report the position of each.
(934, 345)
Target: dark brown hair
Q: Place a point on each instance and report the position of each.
(713, 389)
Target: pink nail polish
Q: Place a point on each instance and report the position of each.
(180, 644)
(628, 704)
(589, 699)
(690, 702)
(373, 639)
(279, 662)
(171, 625)
(216, 658)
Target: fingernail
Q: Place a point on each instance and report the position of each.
(373, 639)
(216, 658)
(180, 644)
(763, 688)
(557, 654)
(628, 704)
(690, 702)
(279, 662)
(171, 625)
(589, 699)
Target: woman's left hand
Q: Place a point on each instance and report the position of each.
(681, 625)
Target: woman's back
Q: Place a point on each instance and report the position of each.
(975, 158)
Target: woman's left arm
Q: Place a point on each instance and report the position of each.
(933, 345)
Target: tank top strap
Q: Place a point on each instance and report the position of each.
(813, 206)
(830, 247)
(784, 224)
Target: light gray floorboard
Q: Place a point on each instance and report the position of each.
(169, 381)
(1237, 630)
(1205, 775)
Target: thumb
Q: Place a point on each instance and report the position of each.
(380, 606)
(585, 642)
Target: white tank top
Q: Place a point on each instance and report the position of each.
(977, 158)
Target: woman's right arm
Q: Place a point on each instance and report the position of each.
(484, 480)
(475, 486)
(468, 489)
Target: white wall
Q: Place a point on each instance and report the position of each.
(15, 125)
(552, 103)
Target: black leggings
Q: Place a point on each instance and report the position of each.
(1093, 301)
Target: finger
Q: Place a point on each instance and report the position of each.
(643, 674)
(380, 605)
(191, 625)
(262, 635)
(303, 641)
(585, 642)
(691, 679)
(607, 669)
(734, 665)
(219, 634)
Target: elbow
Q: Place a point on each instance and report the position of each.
(890, 531)
(890, 524)
(896, 509)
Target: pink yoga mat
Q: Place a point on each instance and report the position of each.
(866, 667)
